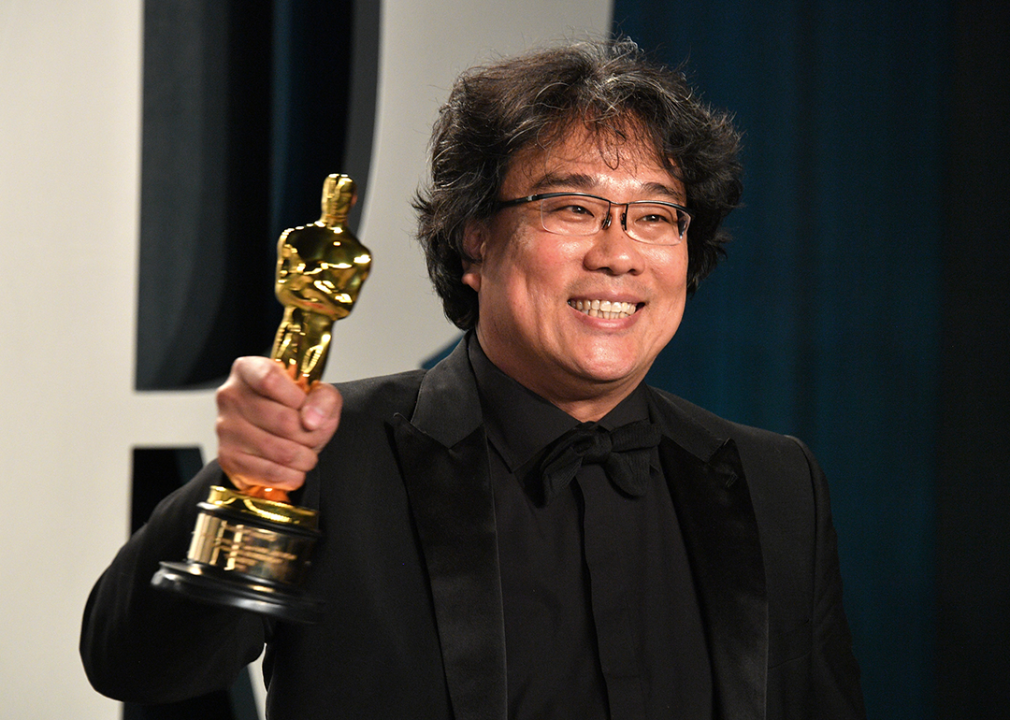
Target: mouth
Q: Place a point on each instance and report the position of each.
(605, 309)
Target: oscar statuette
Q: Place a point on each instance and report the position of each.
(251, 548)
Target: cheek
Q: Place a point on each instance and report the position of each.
(676, 271)
(672, 278)
(524, 269)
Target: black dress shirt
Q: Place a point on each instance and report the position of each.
(601, 619)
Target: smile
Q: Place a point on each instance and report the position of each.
(604, 308)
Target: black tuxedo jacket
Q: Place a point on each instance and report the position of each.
(409, 570)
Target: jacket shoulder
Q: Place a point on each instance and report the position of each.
(381, 397)
(727, 429)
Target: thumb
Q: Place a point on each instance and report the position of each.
(321, 407)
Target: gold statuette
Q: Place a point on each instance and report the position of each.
(251, 548)
(320, 269)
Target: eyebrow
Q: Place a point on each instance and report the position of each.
(585, 183)
(553, 181)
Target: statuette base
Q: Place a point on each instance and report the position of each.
(250, 553)
(223, 587)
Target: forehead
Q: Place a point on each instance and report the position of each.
(584, 152)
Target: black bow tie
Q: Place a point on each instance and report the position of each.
(623, 453)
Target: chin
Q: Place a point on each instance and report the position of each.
(609, 372)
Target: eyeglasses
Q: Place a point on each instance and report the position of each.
(649, 221)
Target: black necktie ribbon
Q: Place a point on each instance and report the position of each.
(623, 453)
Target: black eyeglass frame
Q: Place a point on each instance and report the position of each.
(502, 204)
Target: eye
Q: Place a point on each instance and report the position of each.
(573, 213)
(653, 215)
(568, 208)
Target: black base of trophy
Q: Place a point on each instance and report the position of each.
(224, 587)
(250, 553)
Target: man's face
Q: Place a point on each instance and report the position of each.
(530, 282)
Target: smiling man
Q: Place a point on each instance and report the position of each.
(576, 301)
(527, 530)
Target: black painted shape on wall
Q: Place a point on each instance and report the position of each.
(248, 104)
(158, 471)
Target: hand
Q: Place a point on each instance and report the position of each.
(270, 431)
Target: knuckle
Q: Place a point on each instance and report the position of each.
(223, 426)
(283, 477)
(227, 462)
(224, 395)
(285, 455)
(268, 383)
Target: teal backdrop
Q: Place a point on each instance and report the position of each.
(863, 306)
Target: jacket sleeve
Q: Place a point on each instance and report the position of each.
(835, 687)
(140, 644)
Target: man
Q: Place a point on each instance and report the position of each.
(527, 530)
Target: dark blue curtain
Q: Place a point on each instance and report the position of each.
(828, 319)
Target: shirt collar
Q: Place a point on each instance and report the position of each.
(520, 423)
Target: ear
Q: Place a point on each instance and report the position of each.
(474, 242)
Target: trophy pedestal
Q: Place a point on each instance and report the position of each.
(248, 553)
(223, 587)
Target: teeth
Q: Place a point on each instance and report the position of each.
(604, 308)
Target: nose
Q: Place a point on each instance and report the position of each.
(612, 250)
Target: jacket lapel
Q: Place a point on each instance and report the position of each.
(714, 508)
(444, 458)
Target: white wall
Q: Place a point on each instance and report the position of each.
(70, 81)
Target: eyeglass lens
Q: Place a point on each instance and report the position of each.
(644, 221)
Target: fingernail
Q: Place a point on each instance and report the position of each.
(312, 418)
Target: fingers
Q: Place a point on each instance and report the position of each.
(270, 431)
(266, 378)
(251, 455)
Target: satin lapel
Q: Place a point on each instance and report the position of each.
(716, 515)
(443, 455)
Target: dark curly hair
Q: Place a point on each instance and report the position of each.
(494, 112)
